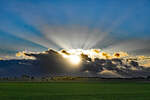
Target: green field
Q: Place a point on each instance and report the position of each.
(75, 91)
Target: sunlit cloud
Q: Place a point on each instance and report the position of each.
(90, 62)
(110, 74)
(1, 58)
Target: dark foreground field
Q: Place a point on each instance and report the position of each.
(75, 91)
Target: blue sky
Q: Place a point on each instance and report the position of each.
(36, 25)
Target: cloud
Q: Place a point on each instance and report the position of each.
(120, 54)
(94, 61)
(52, 61)
(110, 74)
(146, 64)
(23, 55)
(20, 54)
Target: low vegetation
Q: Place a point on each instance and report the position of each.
(74, 91)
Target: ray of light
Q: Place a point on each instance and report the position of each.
(52, 34)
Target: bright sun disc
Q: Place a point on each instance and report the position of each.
(74, 59)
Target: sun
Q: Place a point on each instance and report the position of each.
(74, 59)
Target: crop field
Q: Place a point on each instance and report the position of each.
(74, 91)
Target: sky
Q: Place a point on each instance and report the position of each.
(110, 25)
(75, 37)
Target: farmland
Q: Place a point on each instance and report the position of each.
(74, 91)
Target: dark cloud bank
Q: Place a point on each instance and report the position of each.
(52, 63)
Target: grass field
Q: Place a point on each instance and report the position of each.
(75, 91)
